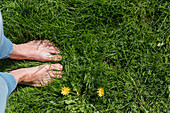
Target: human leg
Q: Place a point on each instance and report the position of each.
(7, 84)
(6, 46)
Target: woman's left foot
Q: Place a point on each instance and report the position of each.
(41, 50)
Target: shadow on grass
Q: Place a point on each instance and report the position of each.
(7, 64)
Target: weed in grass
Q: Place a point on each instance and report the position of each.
(65, 90)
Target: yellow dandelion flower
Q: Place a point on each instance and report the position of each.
(65, 90)
(100, 92)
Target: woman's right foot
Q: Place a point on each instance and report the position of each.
(39, 75)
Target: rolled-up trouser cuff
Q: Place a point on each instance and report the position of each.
(7, 84)
(10, 81)
(6, 48)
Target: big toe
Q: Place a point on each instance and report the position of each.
(55, 58)
(56, 67)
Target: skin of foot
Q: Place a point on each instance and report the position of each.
(39, 75)
(40, 50)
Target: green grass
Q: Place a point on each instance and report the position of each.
(119, 45)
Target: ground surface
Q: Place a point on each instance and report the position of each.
(119, 45)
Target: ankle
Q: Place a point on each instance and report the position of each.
(16, 53)
(19, 74)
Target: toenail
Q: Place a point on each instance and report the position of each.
(59, 57)
(59, 76)
(60, 73)
(53, 51)
(58, 52)
(52, 75)
(50, 44)
(60, 67)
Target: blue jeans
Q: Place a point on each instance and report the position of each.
(7, 82)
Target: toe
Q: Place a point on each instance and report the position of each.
(55, 58)
(53, 74)
(56, 67)
(54, 51)
(58, 51)
(46, 41)
(59, 76)
(56, 73)
(36, 85)
(59, 73)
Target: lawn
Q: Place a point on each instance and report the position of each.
(122, 46)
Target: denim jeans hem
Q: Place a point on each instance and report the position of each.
(6, 48)
(7, 84)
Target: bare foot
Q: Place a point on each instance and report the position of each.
(41, 50)
(39, 75)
